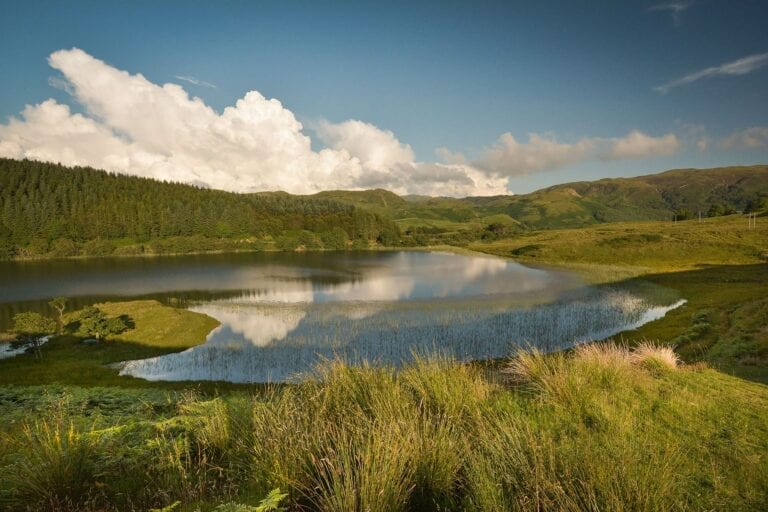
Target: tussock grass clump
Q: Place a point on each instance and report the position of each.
(603, 354)
(441, 387)
(603, 365)
(654, 356)
(533, 367)
(360, 469)
(55, 465)
(355, 434)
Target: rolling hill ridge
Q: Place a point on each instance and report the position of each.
(48, 210)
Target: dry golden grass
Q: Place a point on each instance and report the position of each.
(604, 354)
(528, 366)
(588, 362)
(649, 353)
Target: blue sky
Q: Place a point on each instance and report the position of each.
(430, 75)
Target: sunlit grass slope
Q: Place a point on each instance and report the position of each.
(649, 246)
(578, 204)
(600, 428)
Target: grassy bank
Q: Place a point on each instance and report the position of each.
(597, 429)
(719, 265)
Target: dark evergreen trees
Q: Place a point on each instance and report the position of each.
(49, 209)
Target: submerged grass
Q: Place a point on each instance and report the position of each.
(597, 428)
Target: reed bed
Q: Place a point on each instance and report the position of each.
(390, 334)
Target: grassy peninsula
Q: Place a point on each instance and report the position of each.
(155, 329)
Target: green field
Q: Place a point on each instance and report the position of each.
(642, 247)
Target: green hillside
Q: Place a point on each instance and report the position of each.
(654, 197)
(683, 192)
(50, 210)
(380, 200)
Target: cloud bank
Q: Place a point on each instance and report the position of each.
(133, 126)
(742, 66)
(543, 152)
(755, 137)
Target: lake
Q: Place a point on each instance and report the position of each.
(281, 313)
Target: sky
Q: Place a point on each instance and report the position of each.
(437, 98)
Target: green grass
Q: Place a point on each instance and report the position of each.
(157, 330)
(588, 430)
(160, 326)
(643, 247)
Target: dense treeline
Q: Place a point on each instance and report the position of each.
(48, 209)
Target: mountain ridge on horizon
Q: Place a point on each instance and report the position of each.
(419, 197)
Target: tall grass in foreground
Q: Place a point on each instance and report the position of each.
(57, 464)
(598, 428)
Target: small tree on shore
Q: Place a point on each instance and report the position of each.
(30, 327)
(60, 305)
(93, 322)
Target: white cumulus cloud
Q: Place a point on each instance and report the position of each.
(137, 127)
(375, 148)
(637, 144)
(133, 126)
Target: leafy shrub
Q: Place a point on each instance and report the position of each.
(98, 247)
(64, 248)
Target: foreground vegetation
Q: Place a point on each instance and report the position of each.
(600, 428)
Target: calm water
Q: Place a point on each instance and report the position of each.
(281, 313)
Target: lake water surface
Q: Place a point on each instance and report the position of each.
(281, 313)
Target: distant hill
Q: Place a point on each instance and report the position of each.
(377, 200)
(653, 197)
(684, 192)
